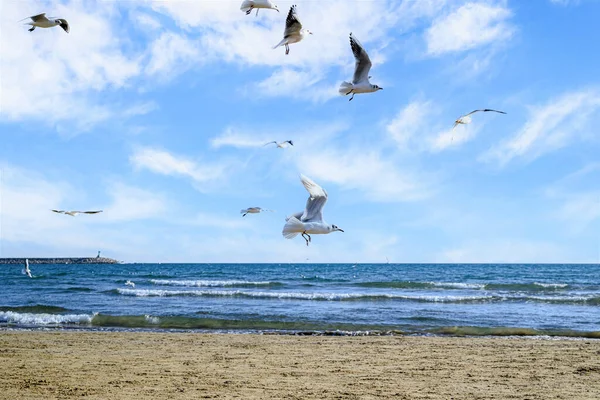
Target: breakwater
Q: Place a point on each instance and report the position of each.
(66, 260)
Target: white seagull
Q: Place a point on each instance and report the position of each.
(360, 80)
(27, 271)
(74, 213)
(129, 283)
(311, 219)
(41, 21)
(466, 119)
(281, 145)
(248, 5)
(253, 210)
(293, 31)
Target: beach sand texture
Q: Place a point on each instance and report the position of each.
(134, 365)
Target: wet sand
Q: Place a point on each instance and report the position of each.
(134, 365)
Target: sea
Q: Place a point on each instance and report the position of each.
(543, 300)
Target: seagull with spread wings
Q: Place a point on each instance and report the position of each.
(360, 81)
(309, 221)
(74, 213)
(27, 271)
(281, 145)
(249, 5)
(41, 21)
(253, 210)
(293, 31)
(466, 119)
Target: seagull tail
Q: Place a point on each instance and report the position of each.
(292, 228)
(345, 87)
(283, 41)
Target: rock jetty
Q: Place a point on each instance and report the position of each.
(68, 260)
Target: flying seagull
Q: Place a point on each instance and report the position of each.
(129, 283)
(41, 21)
(293, 31)
(248, 5)
(253, 210)
(466, 119)
(311, 219)
(281, 145)
(27, 271)
(74, 213)
(360, 81)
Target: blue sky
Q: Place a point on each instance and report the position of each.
(156, 113)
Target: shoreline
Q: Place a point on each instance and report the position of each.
(132, 365)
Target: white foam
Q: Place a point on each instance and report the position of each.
(295, 295)
(44, 319)
(206, 283)
(458, 285)
(152, 320)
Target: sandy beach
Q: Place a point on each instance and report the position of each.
(133, 365)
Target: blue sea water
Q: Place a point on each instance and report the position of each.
(455, 299)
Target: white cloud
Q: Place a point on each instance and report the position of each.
(164, 163)
(550, 127)
(67, 75)
(413, 129)
(234, 138)
(368, 171)
(470, 26)
(171, 54)
(130, 203)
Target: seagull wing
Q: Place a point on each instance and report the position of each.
(290, 142)
(292, 24)
(484, 110)
(90, 212)
(297, 215)
(270, 143)
(363, 62)
(59, 211)
(39, 17)
(317, 198)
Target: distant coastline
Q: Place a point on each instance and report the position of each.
(64, 260)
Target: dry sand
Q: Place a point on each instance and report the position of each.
(133, 365)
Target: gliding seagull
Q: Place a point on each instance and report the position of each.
(74, 213)
(311, 219)
(293, 30)
(41, 21)
(281, 145)
(360, 81)
(27, 271)
(466, 119)
(248, 5)
(253, 210)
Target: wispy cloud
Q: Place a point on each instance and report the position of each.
(130, 203)
(550, 127)
(164, 163)
(470, 26)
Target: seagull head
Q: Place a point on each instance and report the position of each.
(275, 8)
(377, 87)
(307, 31)
(335, 228)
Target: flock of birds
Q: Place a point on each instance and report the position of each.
(310, 221)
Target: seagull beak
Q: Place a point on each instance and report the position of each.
(341, 230)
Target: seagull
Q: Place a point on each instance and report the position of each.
(281, 145)
(293, 31)
(248, 5)
(27, 271)
(466, 119)
(360, 81)
(41, 21)
(253, 210)
(74, 213)
(311, 219)
(129, 283)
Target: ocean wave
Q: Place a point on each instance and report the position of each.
(11, 317)
(324, 296)
(212, 283)
(505, 287)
